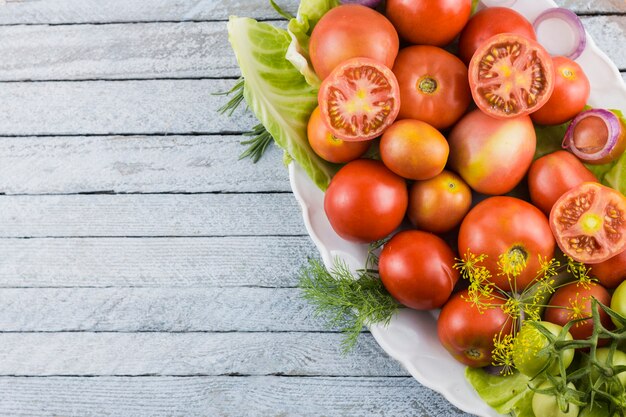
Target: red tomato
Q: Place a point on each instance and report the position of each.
(351, 31)
(414, 149)
(589, 222)
(571, 91)
(467, 333)
(329, 147)
(446, 193)
(612, 272)
(365, 201)
(573, 301)
(492, 155)
(511, 227)
(359, 99)
(550, 176)
(417, 269)
(433, 85)
(428, 22)
(489, 22)
(510, 76)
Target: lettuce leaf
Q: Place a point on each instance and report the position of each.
(505, 394)
(613, 174)
(277, 93)
(300, 29)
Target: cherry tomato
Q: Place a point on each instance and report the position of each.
(618, 302)
(433, 85)
(611, 272)
(351, 31)
(589, 222)
(571, 91)
(619, 359)
(417, 269)
(446, 193)
(573, 301)
(365, 201)
(492, 155)
(550, 176)
(510, 227)
(359, 99)
(414, 149)
(468, 333)
(511, 76)
(489, 22)
(528, 354)
(329, 147)
(546, 405)
(428, 22)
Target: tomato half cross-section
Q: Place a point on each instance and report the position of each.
(589, 222)
(365, 201)
(359, 99)
(510, 76)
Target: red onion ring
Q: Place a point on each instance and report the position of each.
(367, 3)
(569, 17)
(615, 142)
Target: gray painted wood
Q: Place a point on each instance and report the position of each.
(153, 263)
(150, 215)
(163, 309)
(161, 50)
(136, 164)
(94, 11)
(180, 354)
(262, 396)
(101, 107)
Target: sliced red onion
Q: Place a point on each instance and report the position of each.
(368, 3)
(595, 136)
(554, 40)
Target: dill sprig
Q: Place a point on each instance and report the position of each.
(345, 301)
(258, 144)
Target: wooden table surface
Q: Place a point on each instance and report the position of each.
(144, 270)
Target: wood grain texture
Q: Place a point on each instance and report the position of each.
(156, 309)
(183, 354)
(261, 396)
(94, 11)
(132, 107)
(150, 215)
(162, 50)
(130, 164)
(157, 262)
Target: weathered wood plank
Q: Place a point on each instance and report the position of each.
(136, 164)
(221, 396)
(152, 215)
(156, 309)
(186, 354)
(104, 107)
(158, 262)
(161, 50)
(93, 11)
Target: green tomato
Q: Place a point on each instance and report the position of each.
(529, 342)
(547, 406)
(619, 358)
(598, 410)
(618, 301)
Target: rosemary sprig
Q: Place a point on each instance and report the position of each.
(258, 144)
(345, 301)
(235, 101)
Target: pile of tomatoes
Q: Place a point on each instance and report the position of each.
(452, 129)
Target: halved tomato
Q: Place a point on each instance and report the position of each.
(589, 222)
(511, 75)
(359, 99)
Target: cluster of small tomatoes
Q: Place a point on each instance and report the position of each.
(453, 129)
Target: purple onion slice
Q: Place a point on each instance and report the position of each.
(554, 39)
(367, 3)
(596, 136)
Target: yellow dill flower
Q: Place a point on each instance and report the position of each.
(512, 307)
(547, 268)
(512, 263)
(502, 353)
(578, 309)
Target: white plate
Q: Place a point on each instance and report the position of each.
(411, 337)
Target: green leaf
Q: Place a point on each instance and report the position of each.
(503, 393)
(300, 29)
(549, 139)
(277, 93)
